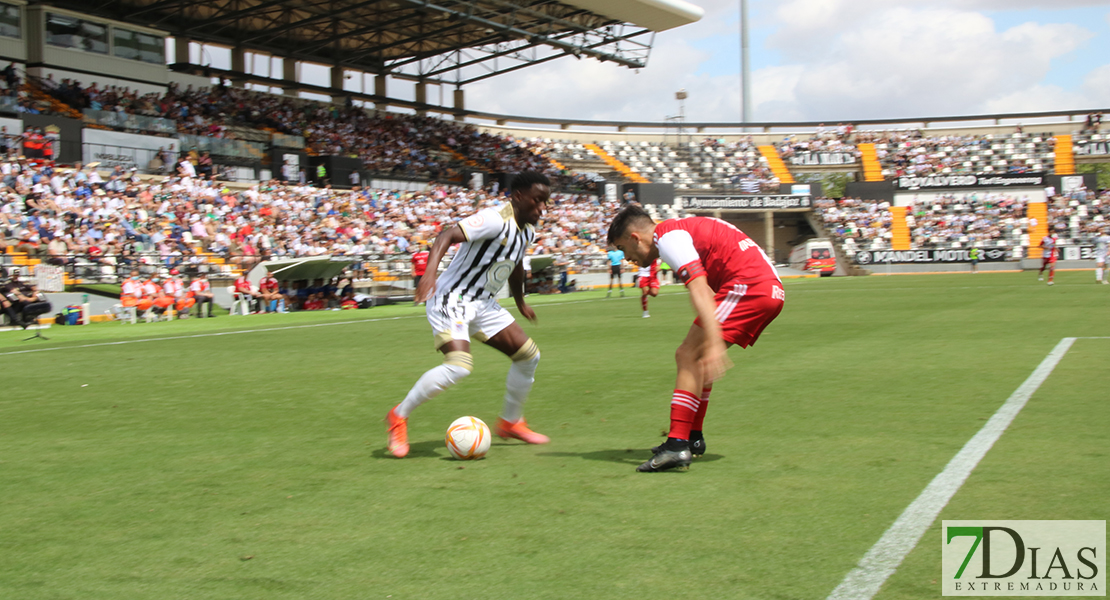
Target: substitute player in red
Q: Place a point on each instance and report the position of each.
(649, 284)
(268, 293)
(1048, 259)
(736, 293)
(244, 291)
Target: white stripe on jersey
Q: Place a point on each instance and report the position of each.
(1102, 244)
(724, 309)
(483, 264)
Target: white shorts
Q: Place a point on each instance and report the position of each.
(452, 319)
(1100, 257)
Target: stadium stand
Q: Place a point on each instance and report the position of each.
(964, 220)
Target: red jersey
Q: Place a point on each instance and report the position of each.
(242, 284)
(420, 263)
(1049, 243)
(698, 246)
(268, 284)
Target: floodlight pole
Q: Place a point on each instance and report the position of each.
(745, 66)
(680, 95)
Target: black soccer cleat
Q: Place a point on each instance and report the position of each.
(666, 460)
(697, 445)
(674, 454)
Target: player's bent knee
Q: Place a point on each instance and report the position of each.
(459, 359)
(527, 351)
(686, 354)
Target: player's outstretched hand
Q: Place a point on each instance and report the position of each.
(425, 290)
(715, 362)
(527, 312)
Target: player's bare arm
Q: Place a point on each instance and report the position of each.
(516, 288)
(443, 243)
(714, 359)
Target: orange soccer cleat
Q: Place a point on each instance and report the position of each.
(520, 431)
(398, 434)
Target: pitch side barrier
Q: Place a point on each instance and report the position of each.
(747, 202)
(956, 260)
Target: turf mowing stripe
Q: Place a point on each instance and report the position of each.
(880, 562)
(240, 331)
(201, 335)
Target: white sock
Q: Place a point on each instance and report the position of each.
(518, 384)
(1098, 274)
(429, 386)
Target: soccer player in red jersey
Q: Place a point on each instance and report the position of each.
(268, 293)
(1048, 259)
(243, 290)
(419, 265)
(649, 284)
(736, 293)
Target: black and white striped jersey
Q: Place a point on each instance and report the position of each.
(493, 247)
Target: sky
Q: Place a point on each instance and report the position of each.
(837, 60)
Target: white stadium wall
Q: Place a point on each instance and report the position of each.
(101, 81)
(910, 197)
(15, 126)
(184, 80)
(111, 148)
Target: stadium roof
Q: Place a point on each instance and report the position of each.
(439, 41)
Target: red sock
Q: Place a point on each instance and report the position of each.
(700, 417)
(643, 301)
(684, 407)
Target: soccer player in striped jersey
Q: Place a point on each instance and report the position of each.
(736, 293)
(462, 304)
(1102, 248)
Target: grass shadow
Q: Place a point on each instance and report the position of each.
(425, 449)
(628, 456)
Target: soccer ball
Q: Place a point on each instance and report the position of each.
(468, 438)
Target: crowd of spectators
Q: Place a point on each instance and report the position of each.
(751, 174)
(966, 219)
(109, 223)
(852, 218)
(794, 145)
(387, 143)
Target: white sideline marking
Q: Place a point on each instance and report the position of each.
(864, 581)
(202, 335)
(241, 331)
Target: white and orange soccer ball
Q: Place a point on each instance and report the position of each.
(468, 438)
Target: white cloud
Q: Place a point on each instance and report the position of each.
(588, 89)
(1096, 88)
(840, 60)
(905, 62)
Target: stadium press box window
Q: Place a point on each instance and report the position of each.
(133, 45)
(11, 23)
(70, 32)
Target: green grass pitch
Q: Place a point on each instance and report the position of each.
(180, 464)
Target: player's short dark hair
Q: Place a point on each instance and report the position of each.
(630, 216)
(523, 182)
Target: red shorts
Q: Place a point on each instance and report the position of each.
(649, 282)
(745, 310)
(1048, 260)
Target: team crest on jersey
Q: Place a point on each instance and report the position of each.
(475, 221)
